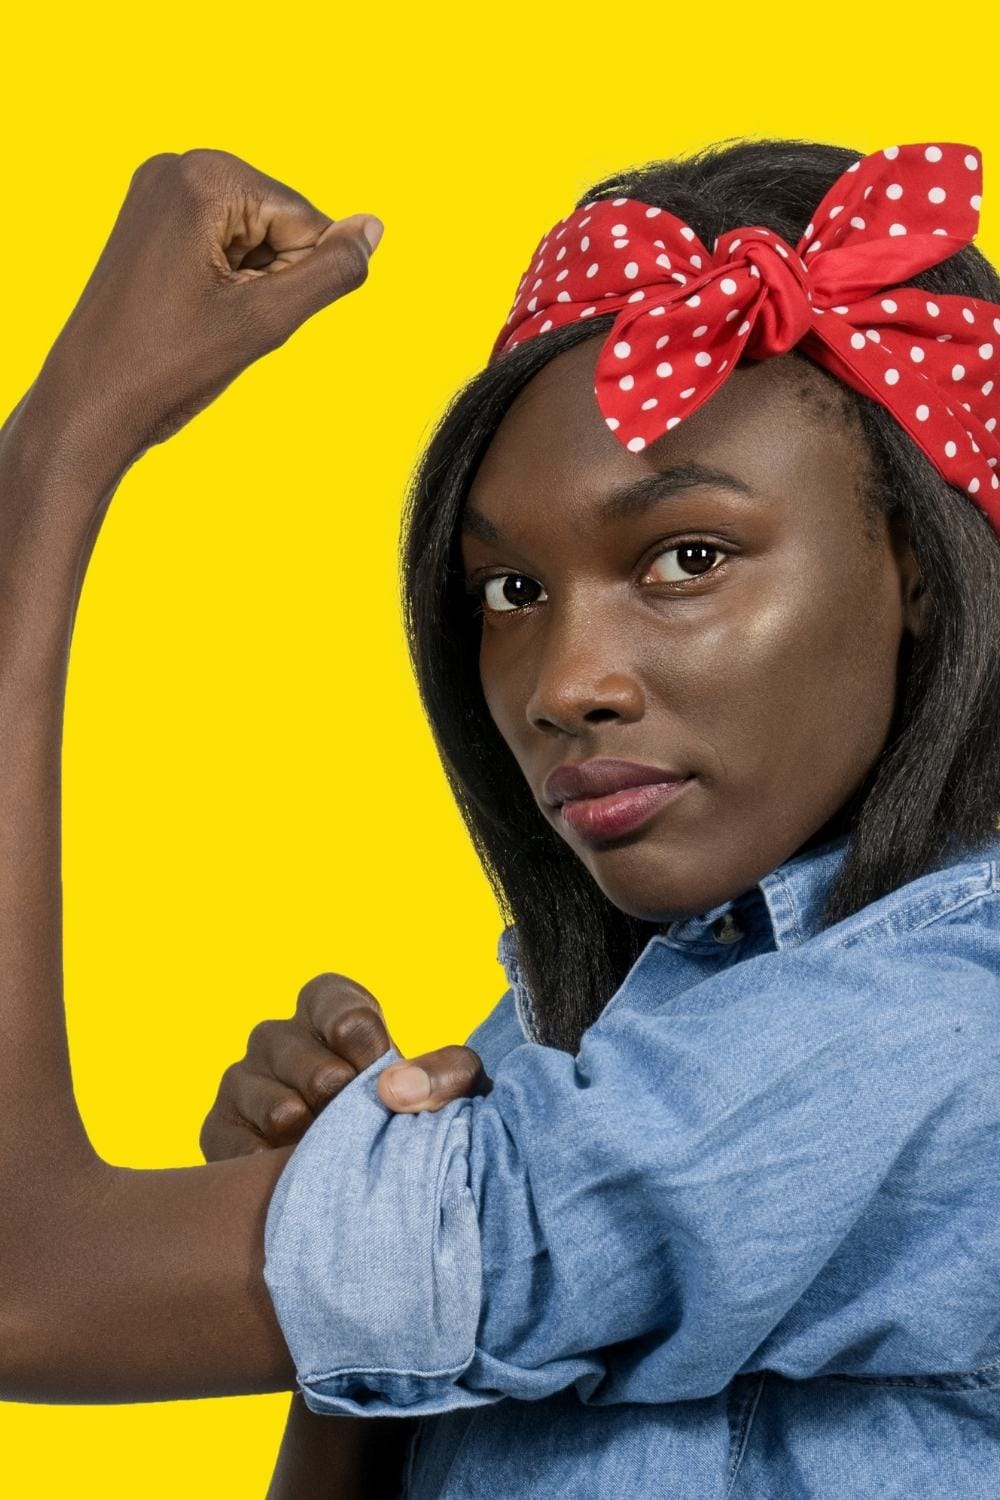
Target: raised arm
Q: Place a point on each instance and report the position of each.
(124, 1285)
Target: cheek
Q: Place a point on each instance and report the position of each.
(501, 684)
(784, 694)
(805, 683)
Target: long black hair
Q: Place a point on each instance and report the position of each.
(934, 789)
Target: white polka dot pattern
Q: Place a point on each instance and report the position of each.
(835, 295)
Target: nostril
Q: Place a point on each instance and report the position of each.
(578, 697)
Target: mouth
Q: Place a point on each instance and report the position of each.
(599, 776)
(597, 819)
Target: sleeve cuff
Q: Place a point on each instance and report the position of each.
(373, 1257)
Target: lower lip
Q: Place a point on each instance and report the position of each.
(619, 812)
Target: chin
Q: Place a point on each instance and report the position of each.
(660, 915)
(652, 899)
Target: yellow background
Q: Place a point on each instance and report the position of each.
(251, 795)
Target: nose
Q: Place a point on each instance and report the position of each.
(581, 679)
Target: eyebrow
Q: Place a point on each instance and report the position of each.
(633, 499)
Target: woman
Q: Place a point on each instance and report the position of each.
(725, 1222)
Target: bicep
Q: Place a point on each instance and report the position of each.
(143, 1286)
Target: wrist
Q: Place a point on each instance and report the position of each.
(52, 503)
(64, 441)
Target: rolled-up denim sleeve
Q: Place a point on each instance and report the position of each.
(789, 1167)
(372, 1254)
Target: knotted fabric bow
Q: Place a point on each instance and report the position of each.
(687, 314)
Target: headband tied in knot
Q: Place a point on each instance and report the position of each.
(783, 313)
(685, 315)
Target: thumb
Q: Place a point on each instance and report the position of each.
(293, 289)
(433, 1079)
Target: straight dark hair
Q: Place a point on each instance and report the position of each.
(934, 790)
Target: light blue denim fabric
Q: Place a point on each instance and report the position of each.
(745, 1243)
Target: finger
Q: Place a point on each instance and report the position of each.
(431, 1080)
(223, 1139)
(307, 1066)
(346, 1018)
(304, 277)
(295, 228)
(278, 1113)
(272, 228)
(260, 221)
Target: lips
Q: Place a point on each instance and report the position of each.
(596, 778)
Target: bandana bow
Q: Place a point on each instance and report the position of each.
(686, 314)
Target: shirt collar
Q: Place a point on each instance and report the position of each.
(783, 910)
(789, 900)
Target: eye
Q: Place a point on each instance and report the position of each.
(512, 593)
(507, 592)
(693, 560)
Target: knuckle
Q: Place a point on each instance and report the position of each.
(202, 158)
(318, 987)
(328, 990)
(328, 1079)
(227, 1083)
(203, 174)
(357, 1029)
(462, 1059)
(461, 1065)
(149, 164)
(154, 164)
(262, 1035)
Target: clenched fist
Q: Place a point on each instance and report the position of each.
(210, 264)
(294, 1067)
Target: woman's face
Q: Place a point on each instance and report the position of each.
(757, 659)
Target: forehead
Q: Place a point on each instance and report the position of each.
(780, 425)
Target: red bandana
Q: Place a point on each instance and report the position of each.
(687, 314)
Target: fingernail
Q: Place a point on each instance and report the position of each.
(373, 231)
(410, 1085)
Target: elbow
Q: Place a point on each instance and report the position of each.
(43, 1275)
(23, 1373)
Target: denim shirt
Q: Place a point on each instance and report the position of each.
(745, 1243)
